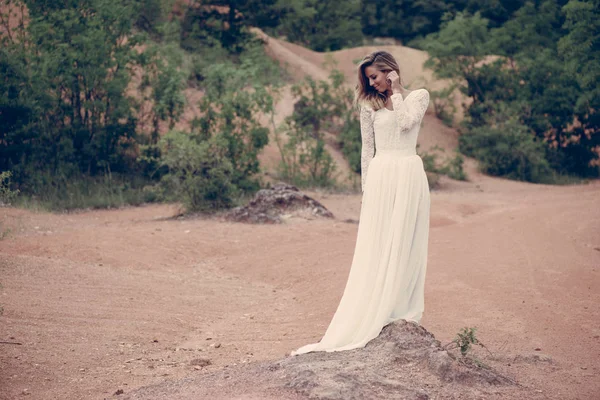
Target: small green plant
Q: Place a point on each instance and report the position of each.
(464, 340)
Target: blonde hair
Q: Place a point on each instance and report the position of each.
(365, 94)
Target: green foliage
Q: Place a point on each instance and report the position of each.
(209, 168)
(162, 83)
(464, 340)
(199, 172)
(443, 103)
(152, 15)
(70, 131)
(56, 192)
(508, 150)
(321, 108)
(530, 84)
(64, 105)
(321, 25)
(580, 48)
(7, 194)
(451, 167)
(420, 18)
(232, 101)
(351, 141)
(459, 46)
(217, 24)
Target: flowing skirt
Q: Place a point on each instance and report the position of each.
(387, 277)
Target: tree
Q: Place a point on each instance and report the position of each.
(67, 71)
(527, 81)
(581, 51)
(233, 99)
(321, 25)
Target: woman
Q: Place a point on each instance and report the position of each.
(387, 276)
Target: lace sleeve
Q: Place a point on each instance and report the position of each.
(368, 142)
(410, 111)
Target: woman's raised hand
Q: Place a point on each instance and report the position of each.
(394, 79)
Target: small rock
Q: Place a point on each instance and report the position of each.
(119, 392)
(200, 362)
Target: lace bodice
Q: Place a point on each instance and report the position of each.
(391, 130)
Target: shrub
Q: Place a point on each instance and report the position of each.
(321, 107)
(508, 150)
(199, 172)
(7, 195)
(452, 167)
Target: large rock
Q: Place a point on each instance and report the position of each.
(404, 362)
(269, 205)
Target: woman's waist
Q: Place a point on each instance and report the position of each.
(399, 152)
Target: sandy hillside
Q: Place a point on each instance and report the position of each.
(99, 302)
(301, 62)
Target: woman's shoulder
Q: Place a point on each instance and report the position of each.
(366, 108)
(420, 95)
(365, 105)
(420, 92)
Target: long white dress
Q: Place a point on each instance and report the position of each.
(387, 277)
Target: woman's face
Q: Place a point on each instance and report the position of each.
(377, 79)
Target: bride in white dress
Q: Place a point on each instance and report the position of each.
(387, 277)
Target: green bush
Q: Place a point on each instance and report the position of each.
(452, 167)
(199, 172)
(304, 159)
(234, 97)
(544, 75)
(351, 142)
(509, 150)
(7, 195)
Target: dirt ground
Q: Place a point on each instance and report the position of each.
(113, 300)
(104, 302)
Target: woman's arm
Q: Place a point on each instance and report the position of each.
(367, 134)
(410, 112)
